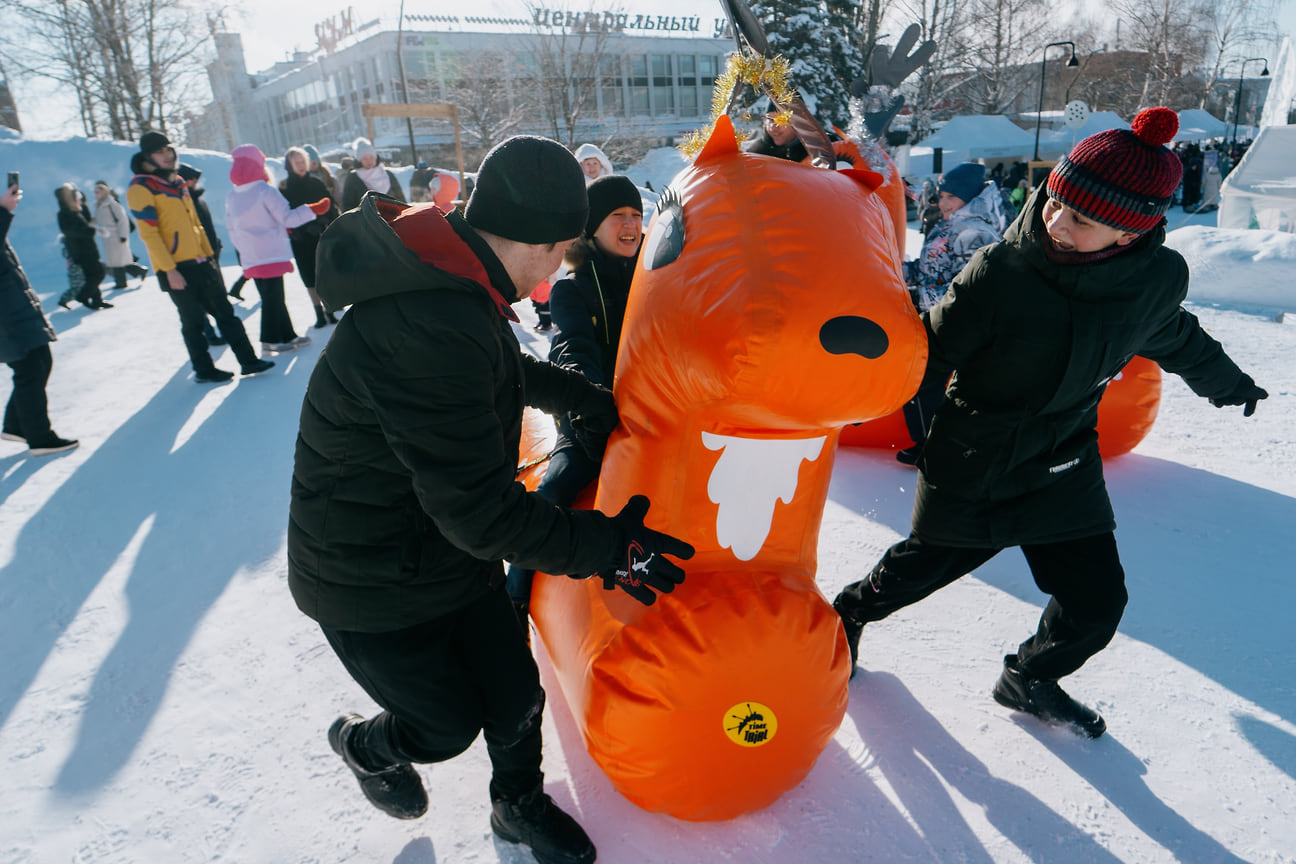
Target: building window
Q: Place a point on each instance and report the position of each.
(663, 85)
(638, 84)
(612, 101)
(688, 90)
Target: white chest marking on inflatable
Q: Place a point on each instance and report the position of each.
(750, 477)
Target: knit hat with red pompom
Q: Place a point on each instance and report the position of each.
(1124, 178)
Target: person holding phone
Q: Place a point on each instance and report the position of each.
(25, 334)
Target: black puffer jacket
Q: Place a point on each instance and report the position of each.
(404, 498)
(588, 308)
(79, 235)
(1012, 457)
(23, 325)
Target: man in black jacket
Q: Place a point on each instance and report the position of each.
(25, 334)
(404, 498)
(1034, 327)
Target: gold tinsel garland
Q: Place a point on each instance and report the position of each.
(764, 74)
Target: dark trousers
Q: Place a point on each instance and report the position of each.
(27, 413)
(1084, 577)
(94, 274)
(204, 295)
(442, 682)
(276, 325)
(119, 274)
(569, 472)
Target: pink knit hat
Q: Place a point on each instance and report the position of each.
(249, 165)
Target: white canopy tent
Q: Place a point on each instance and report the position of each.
(983, 136)
(1197, 124)
(1058, 142)
(1261, 191)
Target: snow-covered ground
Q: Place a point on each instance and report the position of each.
(162, 700)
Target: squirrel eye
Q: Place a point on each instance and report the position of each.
(665, 240)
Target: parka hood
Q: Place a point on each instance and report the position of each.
(385, 247)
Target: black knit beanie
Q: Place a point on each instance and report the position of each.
(607, 193)
(151, 142)
(529, 190)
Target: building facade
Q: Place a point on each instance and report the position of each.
(587, 76)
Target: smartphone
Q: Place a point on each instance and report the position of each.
(13, 180)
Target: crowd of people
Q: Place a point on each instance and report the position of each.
(404, 503)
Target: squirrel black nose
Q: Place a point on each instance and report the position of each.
(852, 334)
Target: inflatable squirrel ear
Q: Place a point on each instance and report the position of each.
(723, 141)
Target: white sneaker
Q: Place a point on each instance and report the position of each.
(301, 341)
(278, 347)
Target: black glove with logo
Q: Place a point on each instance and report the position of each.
(593, 420)
(641, 566)
(1245, 392)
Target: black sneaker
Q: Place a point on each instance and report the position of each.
(213, 376)
(52, 445)
(853, 630)
(256, 367)
(216, 341)
(1046, 700)
(534, 820)
(397, 791)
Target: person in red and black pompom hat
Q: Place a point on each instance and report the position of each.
(1033, 328)
(1124, 178)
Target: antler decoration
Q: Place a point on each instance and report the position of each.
(875, 102)
(752, 65)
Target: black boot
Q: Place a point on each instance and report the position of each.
(1045, 699)
(534, 820)
(397, 791)
(853, 630)
(320, 320)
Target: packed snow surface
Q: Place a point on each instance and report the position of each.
(162, 700)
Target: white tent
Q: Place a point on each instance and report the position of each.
(1057, 142)
(1261, 191)
(982, 137)
(1196, 124)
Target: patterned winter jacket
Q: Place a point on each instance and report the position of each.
(167, 221)
(950, 245)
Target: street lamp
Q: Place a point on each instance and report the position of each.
(1237, 101)
(1071, 63)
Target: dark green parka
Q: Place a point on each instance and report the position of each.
(404, 498)
(1012, 457)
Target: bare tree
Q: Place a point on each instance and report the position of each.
(1006, 37)
(1170, 35)
(567, 49)
(932, 93)
(131, 63)
(494, 101)
(1237, 29)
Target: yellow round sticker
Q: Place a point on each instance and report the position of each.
(750, 724)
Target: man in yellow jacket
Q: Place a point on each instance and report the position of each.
(183, 259)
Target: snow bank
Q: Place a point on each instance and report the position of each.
(1238, 267)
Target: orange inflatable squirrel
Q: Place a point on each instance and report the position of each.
(767, 312)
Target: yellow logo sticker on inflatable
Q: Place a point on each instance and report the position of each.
(750, 724)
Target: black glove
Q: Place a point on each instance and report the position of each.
(593, 421)
(641, 566)
(1245, 392)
